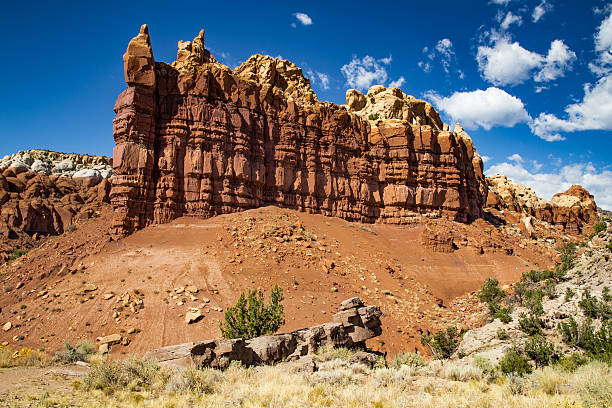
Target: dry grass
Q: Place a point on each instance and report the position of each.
(340, 383)
(24, 357)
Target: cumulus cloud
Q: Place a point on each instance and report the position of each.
(485, 158)
(539, 11)
(482, 108)
(508, 63)
(558, 60)
(594, 112)
(510, 19)
(398, 82)
(445, 53)
(515, 158)
(303, 18)
(361, 73)
(603, 46)
(500, 2)
(547, 184)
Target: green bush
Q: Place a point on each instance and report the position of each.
(17, 254)
(82, 350)
(605, 294)
(570, 362)
(443, 343)
(530, 324)
(251, 317)
(491, 292)
(594, 308)
(515, 362)
(373, 116)
(130, 372)
(569, 294)
(532, 300)
(597, 344)
(567, 259)
(541, 351)
(600, 227)
(501, 334)
(407, 359)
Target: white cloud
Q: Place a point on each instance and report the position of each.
(485, 158)
(594, 112)
(515, 158)
(558, 60)
(539, 11)
(500, 2)
(510, 19)
(444, 51)
(365, 72)
(319, 78)
(603, 46)
(482, 108)
(398, 82)
(547, 184)
(507, 63)
(302, 18)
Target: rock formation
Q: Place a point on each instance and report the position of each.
(350, 327)
(572, 209)
(197, 138)
(34, 203)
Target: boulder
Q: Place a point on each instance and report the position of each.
(351, 327)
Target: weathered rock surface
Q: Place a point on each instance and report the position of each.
(71, 165)
(34, 204)
(351, 326)
(197, 138)
(572, 209)
(592, 272)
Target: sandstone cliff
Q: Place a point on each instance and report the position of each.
(572, 209)
(197, 138)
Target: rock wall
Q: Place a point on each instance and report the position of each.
(571, 210)
(196, 138)
(350, 327)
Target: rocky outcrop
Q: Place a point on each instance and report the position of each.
(197, 138)
(571, 210)
(83, 168)
(34, 204)
(350, 327)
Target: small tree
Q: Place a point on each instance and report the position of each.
(251, 317)
(444, 343)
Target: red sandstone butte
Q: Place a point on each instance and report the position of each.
(197, 138)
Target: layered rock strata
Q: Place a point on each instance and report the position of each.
(571, 210)
(197, 138)
(350, 327)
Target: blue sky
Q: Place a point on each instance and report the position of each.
(530, 80)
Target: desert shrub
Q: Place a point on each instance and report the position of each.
(491, 292)
(503, 314)
(569, 294)
(251, 317)
(131, 372)
(597, 344)
(24, 357)
(515, 362)
(70, 228)
(80, 352)
(194, 380)
(567, 259)
(328, 352)
(443, 343)
(517, 385)
(17, 254)
(501, 334)
(599, 227)
(532, 300)
(570, 362)
(605, 294)
(373, 116)
(530, 324)
(594, 308)
(550, 380)
(485, 366)
(407, 359)
(541, 351)
(609, 246)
